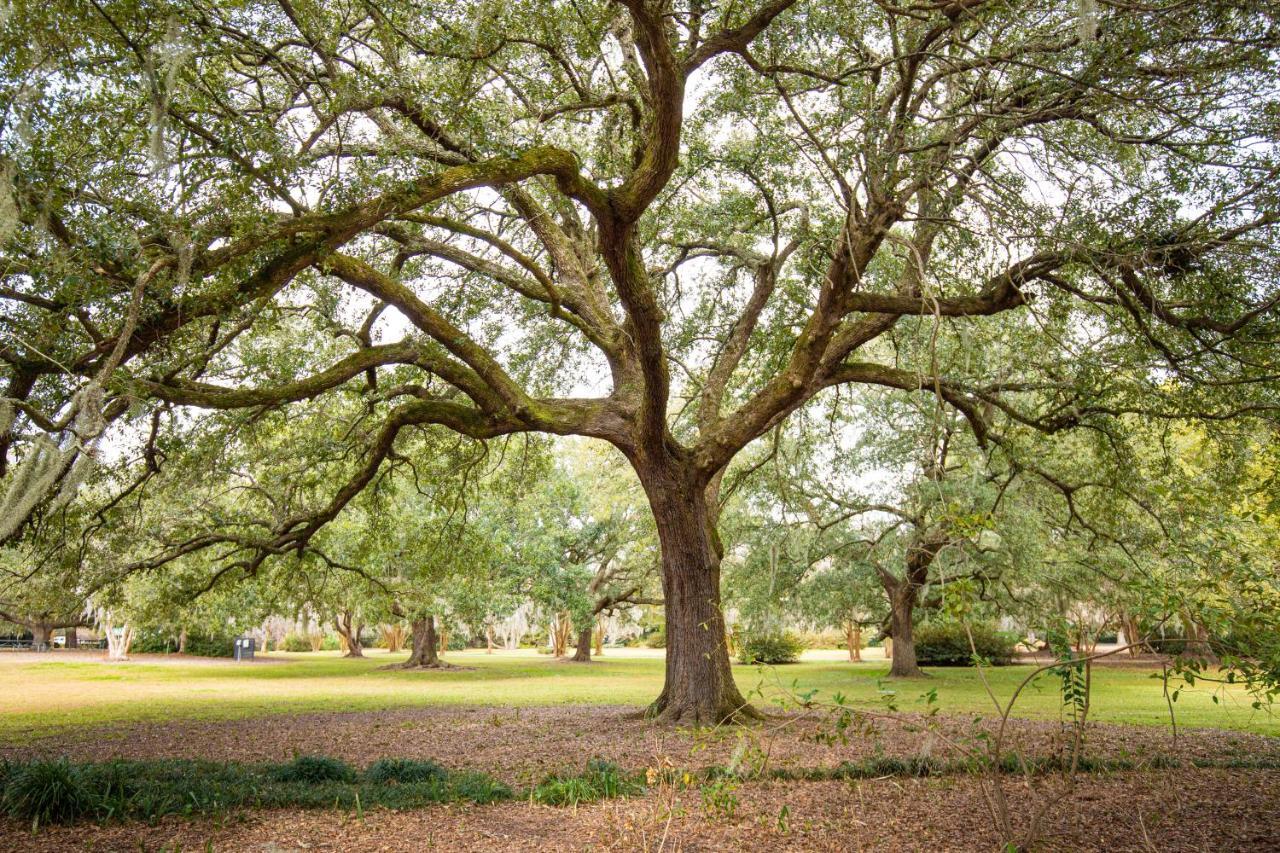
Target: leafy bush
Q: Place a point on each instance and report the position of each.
(947, 644)
(404, 770)
(656, 639)
(47, 792)
(312, 769)
(295, 642)
(212, 645)
(602, 780)
(770, 648)
(204, 645)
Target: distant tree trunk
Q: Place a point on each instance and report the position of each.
(349, 631)
(72, 635)
(853, 639)
(444, 640)
(902, 601)
(598, 636)
(1197, 645)
(560, 628)
(393, 636)
(182, 642)
(488, 639)
(118, 644)
(41, 635)
(904, 594)
(582, 652)
(424, 644)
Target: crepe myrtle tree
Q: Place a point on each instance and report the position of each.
(663, 224)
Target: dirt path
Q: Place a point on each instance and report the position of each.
(1219, 810)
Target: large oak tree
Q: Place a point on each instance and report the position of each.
(663, 224)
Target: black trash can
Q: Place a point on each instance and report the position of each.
(245, 647)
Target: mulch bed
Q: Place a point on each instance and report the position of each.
(520, 746)
(1186, 809)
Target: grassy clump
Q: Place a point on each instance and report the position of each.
(47, 792)
(60, 792)
(770, 648)
(311, 769)
(401, 770)
(602, 780)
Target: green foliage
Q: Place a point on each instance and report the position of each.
(656, 639)
(719, 798)
(947, 644)
(771, 648)
(314, 768)
(401, 770)
(60, 792)
(602, 780)
(199, 643)
(294, 642)
(479, 788)
(47, 792)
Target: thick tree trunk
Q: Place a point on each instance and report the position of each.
(424, 652)
(582, 652)
(902, 602)
(42, 635)
(182, 642)
(73, 638)
(597, 637)
(699, 686)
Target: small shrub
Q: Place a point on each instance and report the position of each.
(311, 769)
(297, 643)
(656, 639)
(719, 799)
(947, 644)
(212, 645)
(478, 788)
(556, 791)
(602, 780)
(404, 770)
(48, 792)
(770, 648)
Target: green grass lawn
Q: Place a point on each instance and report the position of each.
(42, 698)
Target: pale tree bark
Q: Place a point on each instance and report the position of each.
(597, 636)
(853, 640)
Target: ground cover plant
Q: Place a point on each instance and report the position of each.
(45, 792)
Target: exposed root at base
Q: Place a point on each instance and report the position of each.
(419, 666)
(665, 714)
